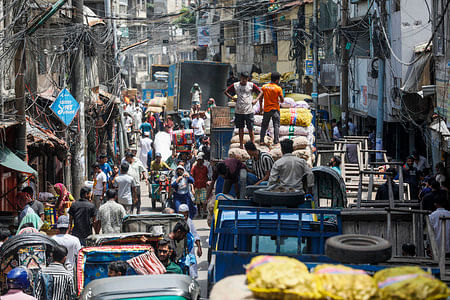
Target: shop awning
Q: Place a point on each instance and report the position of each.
(12, 161)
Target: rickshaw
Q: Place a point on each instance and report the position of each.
(166, 286)
(30, 250)
(140, 234)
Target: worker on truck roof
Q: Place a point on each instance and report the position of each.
(244, 113)
(196, 94)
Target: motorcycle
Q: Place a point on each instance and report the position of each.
(160, 188)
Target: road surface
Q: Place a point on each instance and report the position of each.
(202, 229)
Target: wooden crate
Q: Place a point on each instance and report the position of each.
(220, 117)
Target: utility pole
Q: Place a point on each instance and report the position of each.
(344, 69)
(19, 88)
(79, 157)
(380, 104)
(315, 93)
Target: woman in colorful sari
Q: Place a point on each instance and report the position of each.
(64, 196)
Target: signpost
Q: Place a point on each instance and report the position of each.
(65, 107)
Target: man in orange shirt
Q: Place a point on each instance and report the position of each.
(273, 96)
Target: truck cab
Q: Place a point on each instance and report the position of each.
(242, 231)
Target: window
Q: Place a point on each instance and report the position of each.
(142, 63)
(288, 245)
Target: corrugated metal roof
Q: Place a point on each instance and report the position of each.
(37, 134)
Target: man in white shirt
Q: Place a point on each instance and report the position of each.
(99, 187)
(111, 214)
(198, 124)
(126, 187)
(136, 170)
(437, 224)
(72, 243)
(146, 146)
(162, 143)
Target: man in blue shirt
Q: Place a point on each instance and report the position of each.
(105, 167)
(146, 127)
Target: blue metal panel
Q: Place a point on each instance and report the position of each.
(172, 80)
(220, 142)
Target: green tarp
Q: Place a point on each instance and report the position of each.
(12, 161)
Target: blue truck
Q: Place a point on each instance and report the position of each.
(242, 231)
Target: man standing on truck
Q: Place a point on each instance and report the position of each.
(196, 95)
(273, 96)
(244, 113)
(289, 170)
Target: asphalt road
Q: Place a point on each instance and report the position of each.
(202, 229)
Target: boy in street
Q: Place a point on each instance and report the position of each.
(244, 113)
(273, 96)
(200, 174)
(198, 124)
(117, 268)
(99, 186)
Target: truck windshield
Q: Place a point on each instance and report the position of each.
(288, 244)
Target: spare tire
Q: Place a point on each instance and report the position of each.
(263, 197)
(358, 249)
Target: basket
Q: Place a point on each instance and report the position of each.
(220, 117)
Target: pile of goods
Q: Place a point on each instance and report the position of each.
(183, 140)
(295, 124)
(155, 105)
(277, 277)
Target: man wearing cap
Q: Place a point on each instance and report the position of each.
(196, 94)
(146, 147)
(72, 243)
(192, 238)
(158, 164)
(181, 195)
(200, 174)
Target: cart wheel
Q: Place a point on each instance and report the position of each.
(358, 249)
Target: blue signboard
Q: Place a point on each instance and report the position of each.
(65, 107)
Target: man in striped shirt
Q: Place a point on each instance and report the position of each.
(54, 281)
(262, 164)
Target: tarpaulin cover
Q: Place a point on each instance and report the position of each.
(12, 161)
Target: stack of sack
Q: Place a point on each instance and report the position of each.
(278, 277)
(295, 124)
(155, 105)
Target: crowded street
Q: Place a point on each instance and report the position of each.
(224, 150)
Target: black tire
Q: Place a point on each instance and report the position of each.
(153, 203)
(358, 249)
(263, 197)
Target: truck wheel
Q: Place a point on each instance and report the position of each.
(263, 197)
(358, 249)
